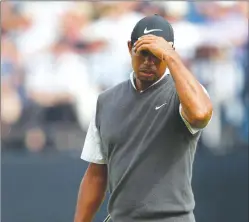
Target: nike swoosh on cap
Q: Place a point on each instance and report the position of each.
(152, 30)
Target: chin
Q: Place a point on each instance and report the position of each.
(147, 78)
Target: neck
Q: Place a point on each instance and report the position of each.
(143, 85)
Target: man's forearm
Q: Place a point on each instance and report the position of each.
(91, 195)
(196, 105)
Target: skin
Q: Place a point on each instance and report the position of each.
(196, 105)
(91, 192)
(150, 55)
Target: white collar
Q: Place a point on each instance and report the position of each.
(133, 83)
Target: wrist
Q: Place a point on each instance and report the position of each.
(171, 57)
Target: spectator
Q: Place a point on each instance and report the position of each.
(11, 104)
(176, 13)
(57, 56)
(220, 70)
(60, 76)
(116, 18)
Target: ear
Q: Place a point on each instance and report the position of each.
(129, 47)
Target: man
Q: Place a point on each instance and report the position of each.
(143, 136)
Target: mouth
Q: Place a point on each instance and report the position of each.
(147, 72)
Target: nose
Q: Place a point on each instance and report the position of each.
(149, 59)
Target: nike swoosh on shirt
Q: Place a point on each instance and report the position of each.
(151, 30)
(158, 107)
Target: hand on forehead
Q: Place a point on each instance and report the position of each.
(157, 45)
(152, 37)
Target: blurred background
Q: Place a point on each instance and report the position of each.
(56, 57)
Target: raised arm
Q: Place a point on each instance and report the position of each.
(196, 105)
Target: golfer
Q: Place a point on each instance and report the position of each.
(142, 140)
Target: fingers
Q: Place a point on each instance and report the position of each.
(142, 47)
(152, 38)
(146, 37)
(154, 44)
(143, 42)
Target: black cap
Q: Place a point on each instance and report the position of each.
(154, 24)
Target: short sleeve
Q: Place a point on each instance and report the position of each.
(191, 129)
(92, 147)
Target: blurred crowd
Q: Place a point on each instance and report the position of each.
(56, 57)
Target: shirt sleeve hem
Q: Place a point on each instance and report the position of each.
(191, 129)
(91, 160)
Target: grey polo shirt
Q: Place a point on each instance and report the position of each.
(148, 147)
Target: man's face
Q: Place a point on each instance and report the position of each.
(146, 66)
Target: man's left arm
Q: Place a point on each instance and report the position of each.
(196, 107)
